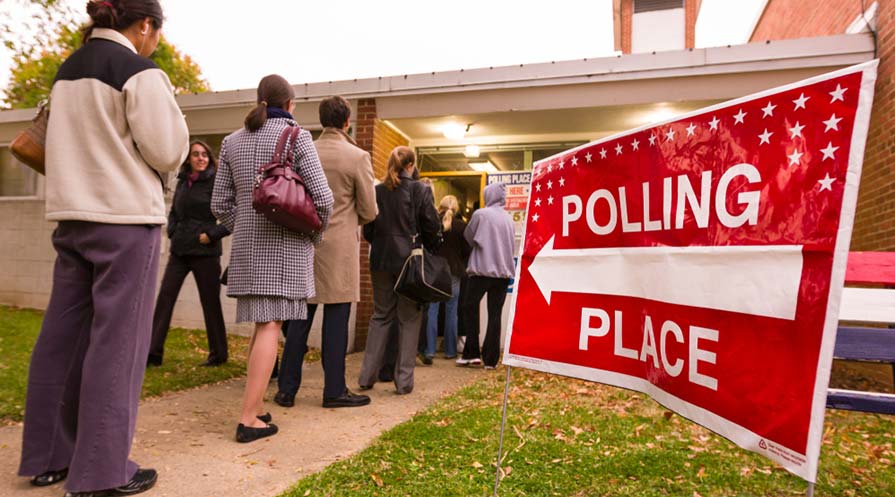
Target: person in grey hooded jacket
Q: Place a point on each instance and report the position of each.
(490, 234)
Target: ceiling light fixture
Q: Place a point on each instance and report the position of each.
(483, 167)
(472, 151)
(454, 131)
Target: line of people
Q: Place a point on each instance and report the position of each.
(105, 190)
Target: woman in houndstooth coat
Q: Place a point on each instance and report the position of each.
(271, 270)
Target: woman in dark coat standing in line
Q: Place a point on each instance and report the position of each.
(406, 210)
(195, 247)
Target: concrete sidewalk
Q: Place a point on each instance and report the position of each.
(189, 436)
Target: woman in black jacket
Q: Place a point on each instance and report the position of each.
(406, 211)
(195, 247)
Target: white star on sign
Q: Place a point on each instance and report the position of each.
(549, 185)
(575, 161)
(838, 94)
(739, 117)
(826, 183)
(562, 164)
(535, 218)
(562, 182)
(828, 152)
(549, 168)
(832, 123)
(588, 156)
(796, 130)
(670, 134)
(603, 153)
(618, 149)
(691, 129)
(550, 200)
(768, 110)
(652, 139)
(800, 102)
(538, 186)
(795, 158)
(713, 124)
(537, 202)
(765, 137)
(635, 144)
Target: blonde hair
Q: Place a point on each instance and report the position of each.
(400, 158)
(449, 207)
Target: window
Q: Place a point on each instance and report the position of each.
(653, 5)
(16, 179)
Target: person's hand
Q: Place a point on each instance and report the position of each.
(203, 239)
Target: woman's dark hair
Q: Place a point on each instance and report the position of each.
(334, 112)
(212, 160)
(273, 91)
(398, 161)
(119, 14)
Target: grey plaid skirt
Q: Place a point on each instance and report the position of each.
(265, 308)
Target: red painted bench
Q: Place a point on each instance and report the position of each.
(854, 343)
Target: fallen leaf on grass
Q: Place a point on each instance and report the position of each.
(701, 472)
(477, 465)
(307, 492)
(377, 480)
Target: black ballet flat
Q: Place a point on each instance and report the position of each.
(265, 418)
(49, 478)
(246, 434)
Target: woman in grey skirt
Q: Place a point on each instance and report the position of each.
(271, 270)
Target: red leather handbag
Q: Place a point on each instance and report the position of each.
(280, 193)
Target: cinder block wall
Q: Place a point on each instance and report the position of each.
(26, 270)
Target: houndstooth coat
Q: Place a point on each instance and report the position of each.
(267, 259)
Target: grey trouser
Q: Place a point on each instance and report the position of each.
(87, 365)
(388, 306)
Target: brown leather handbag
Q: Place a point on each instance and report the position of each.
(280, 193)
(29, 145)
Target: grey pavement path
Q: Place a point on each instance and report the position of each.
(188, 436)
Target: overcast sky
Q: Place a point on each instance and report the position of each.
(236, 43)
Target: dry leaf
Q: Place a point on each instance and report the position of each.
(377, 480)
(477, 465)
(701, 472)
(307, 492)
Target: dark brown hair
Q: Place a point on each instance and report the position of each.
(273, 91)
(212, 160)
(334, 112)
(120, 14)
(398, 161)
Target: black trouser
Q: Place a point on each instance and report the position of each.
(334, 343)
(207, 272)
(476, 288)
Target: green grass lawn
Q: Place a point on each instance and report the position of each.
(571, 438)
(184, 351)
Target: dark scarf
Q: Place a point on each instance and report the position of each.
(278, 112)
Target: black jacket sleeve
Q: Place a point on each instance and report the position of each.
(218, 232)
(172, 221)
(429, 224)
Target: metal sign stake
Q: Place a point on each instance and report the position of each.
(503, 424)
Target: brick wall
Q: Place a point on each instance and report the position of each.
(691, 12)
(627, 15)
(788, 19)
(785, 19)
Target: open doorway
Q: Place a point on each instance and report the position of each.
(467, 186)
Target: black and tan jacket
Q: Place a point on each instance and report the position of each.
(114, 127)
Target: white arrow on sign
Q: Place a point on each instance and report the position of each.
(759, 280)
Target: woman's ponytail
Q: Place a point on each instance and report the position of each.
(257, 117)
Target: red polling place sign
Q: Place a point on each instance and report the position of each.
(701, 261)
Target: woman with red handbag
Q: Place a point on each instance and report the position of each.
(271, 272)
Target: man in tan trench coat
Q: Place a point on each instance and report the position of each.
(349, 173)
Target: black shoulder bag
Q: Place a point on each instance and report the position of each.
(425, 277)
